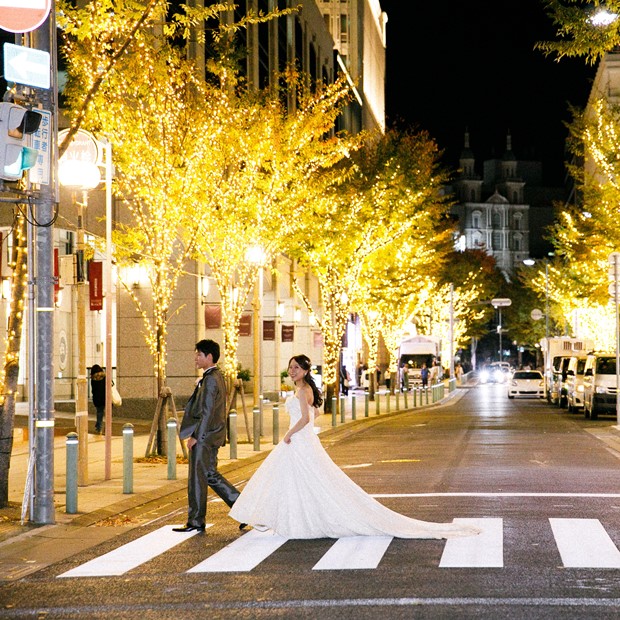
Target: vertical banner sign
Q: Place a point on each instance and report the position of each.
(288, 333)
(213, 316)
(245, 325)
(95, 279)
(40, 141)
(56, 275)
(269, 330)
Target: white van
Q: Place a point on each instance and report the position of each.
(599, 384)
(574, 383)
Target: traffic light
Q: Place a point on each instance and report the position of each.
(16, 125)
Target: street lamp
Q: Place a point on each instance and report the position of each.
(256, 256)
(530, 262)
(80, 175)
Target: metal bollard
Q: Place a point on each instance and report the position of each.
(71, 473)
(334, 412)
(397, 400)
(366, 401)
(171, 425)
(415, 397)
(342, 410)
(128, 458)
(256, 428)
(377, 403)
(353, 414)
(232, 434)
(276, 424)
(405, 393)
(388, 398)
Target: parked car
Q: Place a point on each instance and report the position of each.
(574, 383)
(526, 383)
(599, 384)
(557, 390)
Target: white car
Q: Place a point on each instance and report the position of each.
(526, 383)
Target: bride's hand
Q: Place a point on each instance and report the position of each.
(286, 438)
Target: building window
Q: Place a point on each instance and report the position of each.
(517, 221)
(344, 28)
(475, 219)
(328, 23)
(497, 241)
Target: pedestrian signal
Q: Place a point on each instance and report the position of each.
(16, 125)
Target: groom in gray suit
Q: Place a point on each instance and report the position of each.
(204, 427)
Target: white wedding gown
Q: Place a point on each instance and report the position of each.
(299, 492)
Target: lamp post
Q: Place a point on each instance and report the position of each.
(79, 170)
(256, 256)
(529, 262)
(80, 175)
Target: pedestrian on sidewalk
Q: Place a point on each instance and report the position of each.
(97, 388)
(204, 427)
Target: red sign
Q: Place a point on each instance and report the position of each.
(245, 325)
(269, 330)
(213, 316)
(95, 279)
(23, 15)
(288, 333)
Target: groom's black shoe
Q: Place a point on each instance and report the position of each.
(242, 526)
(189, 528)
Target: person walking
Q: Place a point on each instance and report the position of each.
(424, 375)
(97, 388)
(299, 492)
(204, 427)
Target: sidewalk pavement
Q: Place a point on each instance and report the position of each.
(101, 498)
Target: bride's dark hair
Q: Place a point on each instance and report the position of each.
(305, 364)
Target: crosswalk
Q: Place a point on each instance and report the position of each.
(581, 543)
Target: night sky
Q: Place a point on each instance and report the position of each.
(457, 64)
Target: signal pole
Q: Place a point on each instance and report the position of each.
(43, 39)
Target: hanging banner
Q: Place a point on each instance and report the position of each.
(288, 333)
(245, 325)
(213, 316)
(95, 279)
(269, 330)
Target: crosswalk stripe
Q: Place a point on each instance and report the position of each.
(486, 550)
(584, 543)
(123, 559)
(354, 552)
(243, 554)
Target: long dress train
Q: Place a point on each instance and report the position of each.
(299, 492)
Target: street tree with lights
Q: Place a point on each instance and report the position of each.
(391, 191)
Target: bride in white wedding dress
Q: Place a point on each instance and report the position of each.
(299, 492)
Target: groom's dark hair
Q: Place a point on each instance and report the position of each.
(209, 346)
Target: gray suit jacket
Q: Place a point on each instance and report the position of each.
(205, 413)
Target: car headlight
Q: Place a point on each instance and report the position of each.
(484, 376)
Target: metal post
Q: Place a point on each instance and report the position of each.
(172, 448)
(451, 330)
(398, 400)
(353, 413)
(342, 410)
(276, 424)
(109, 301)
(366, 399)
(387, 401)
(256, 427)
(232, 434)
(334, 412)
(377, 403)
(71, 473)
(405, 398)
(128, 458)
(44, 380)
(616, 258)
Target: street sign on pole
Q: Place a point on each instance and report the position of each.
(23, 15)
(26, 65)
(536, 314)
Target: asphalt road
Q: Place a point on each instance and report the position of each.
(543, 483)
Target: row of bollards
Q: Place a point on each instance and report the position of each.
(420, 396)
(72, 465)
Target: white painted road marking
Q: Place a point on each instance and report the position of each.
(243, 554)
(584, 543)
(354, 552)
(486, 550)
(123, 559)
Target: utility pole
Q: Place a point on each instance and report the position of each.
(44, 38)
